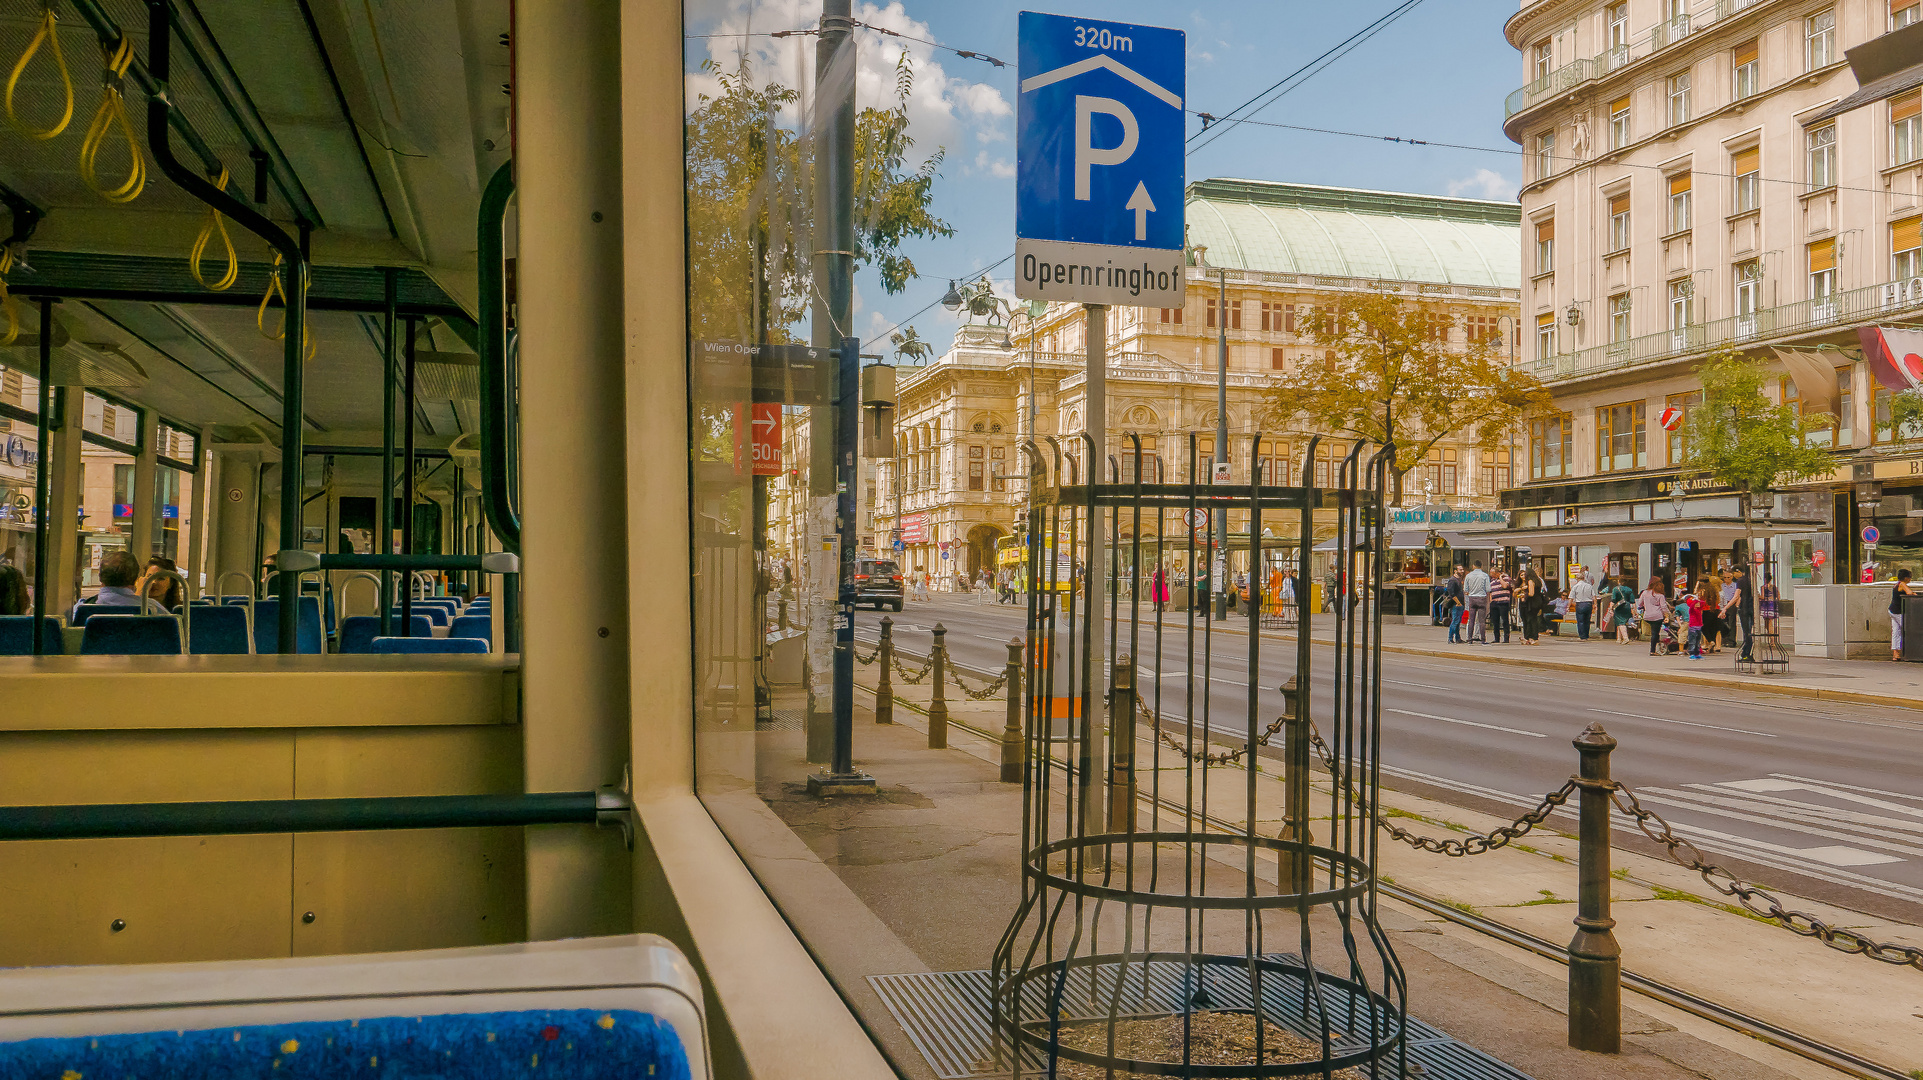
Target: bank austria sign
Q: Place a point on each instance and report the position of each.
(1439, 515)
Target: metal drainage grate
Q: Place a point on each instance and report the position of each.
(945, 1014)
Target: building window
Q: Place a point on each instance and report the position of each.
(1748, 166)
(1843, 423)
(1619, 123)
(1676, 18)
(1551, 440)
(1906, 249)
(1546, 155)
(1616, 18)
(1744, 65)
(1277, 360)
(1903, 13)
(1495, 471)
(1288, 318)
(1749, 279)
(1620, 437)
(1619, 318)
(1679, 203)
(1822, 270)
(1820, 156)
(1209, 321)
(998, 468)
(1328, 463)
(1815, 433)
(1272, 459)
(1545, 335)
(1819, 40)
(1233, 309)
(1682, 294)
(1685, 402)
(1883, 431)
(1546, 246)
(1544, 58)
(1619, 222)
(1172, 315)
(1906, 127)
(1440, 470)
(1679, 98)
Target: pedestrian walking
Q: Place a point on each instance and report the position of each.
(1622, 609)
(1158, 588)
(1700, 603)
(1532, 602)
(1902, 589)
(1502, 595)
(1475, 591)
(1710, 587)
(1452, 605)
(1653, 607)
(1582, 600)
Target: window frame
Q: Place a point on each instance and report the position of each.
(1679, 203)
(1678, 88)
(1682, 298)
(1745, 77)
(1620, 321)
(1633, 414)
(1748, 190)
(1906, 134)
(1551, 432)
(1619, 133)
(1673, 441)
(1619, 223)
(1819, 157)
(1545, 246)
(1546, 335)
(1546, 154)
(1812, 35)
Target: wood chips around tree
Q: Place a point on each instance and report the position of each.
(1215, 1038)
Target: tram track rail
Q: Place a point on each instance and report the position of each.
(1765, 1031)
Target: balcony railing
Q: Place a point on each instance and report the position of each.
(1660, 36)
(1872, 302)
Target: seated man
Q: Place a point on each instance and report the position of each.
(119, 572)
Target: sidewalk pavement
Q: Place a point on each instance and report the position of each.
(1673, 928)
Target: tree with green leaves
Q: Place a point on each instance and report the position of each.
(1906, 415)
(1740, 438)
(1385, 371)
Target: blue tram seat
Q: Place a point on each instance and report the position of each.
(359, 631)
(447, 603)
(218, 630)
(473, 626)
(131, 635)
(433, 613)
(429, 645)
(236, 601)
(16, 635)
(87, 611)
(267, 626)
(590, 1007)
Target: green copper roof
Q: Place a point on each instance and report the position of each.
(1343, 232)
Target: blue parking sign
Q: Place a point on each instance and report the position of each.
(1099, 162)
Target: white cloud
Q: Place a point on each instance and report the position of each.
(1485, 184)
(994, 166)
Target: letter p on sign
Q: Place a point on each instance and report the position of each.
(765, 438)
(1086, 153)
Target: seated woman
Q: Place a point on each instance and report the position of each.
(164, 590)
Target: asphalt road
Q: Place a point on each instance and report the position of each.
(1823, 799)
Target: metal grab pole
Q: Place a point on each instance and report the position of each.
(385, 546)
(407, 477)
(1012, 731)
(1121, 760)
(43, 481)
(885, 689)
(1595, 959)
(938, 706)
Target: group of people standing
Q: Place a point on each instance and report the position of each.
(1710, 614)
(1478, 605)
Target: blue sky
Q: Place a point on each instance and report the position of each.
(1440, 73)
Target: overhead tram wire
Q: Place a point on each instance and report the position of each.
(884, 334)
(1310, 70)
(966, 54)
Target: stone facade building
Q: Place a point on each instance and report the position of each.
(1282, 249)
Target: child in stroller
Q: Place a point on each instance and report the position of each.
(1670, 638)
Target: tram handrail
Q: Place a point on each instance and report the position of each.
(96, 821)
(220, 585)
(493, 562)
(491, 343)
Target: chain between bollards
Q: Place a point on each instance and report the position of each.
(1595, 959)
(1012, 731)
(885, 689)
(938, 706)
(1121, 758)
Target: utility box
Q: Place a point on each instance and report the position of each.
(878, 411)
(1843, 622)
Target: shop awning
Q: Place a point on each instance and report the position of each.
(1706, 532)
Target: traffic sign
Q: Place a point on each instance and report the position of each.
(1099, 163)
(1870, 535)
(1818, 558)
(764, 438)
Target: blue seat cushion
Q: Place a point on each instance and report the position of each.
(434, 613)
(267, 626)
(473, 626)
(217, 630)
(131, 635)
(359, 631)
(587, 1044)
(429, 645)
(84, 612)
(16, 635)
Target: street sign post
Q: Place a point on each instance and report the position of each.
(1871, 535)
(1099, 165)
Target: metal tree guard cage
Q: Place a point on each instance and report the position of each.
(1134, 941)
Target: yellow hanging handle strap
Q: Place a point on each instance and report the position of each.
(49, 35)
(216, 226)
(112, 113)
(279, 333)
(9, 308)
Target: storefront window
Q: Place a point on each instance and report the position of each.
(1883, 431)
(1551, 445)
(1620, 437)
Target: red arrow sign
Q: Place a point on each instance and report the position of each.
(765, 438)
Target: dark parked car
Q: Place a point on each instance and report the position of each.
(878, 582)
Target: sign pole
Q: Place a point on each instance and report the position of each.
(1095, 574)
(1219, 564)
(841, 777)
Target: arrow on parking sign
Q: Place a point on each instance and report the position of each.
(1142, 205)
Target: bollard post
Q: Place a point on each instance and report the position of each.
(885, 689)
(1595, 960)
(1012, 731)
(781, 620)
(1121, 747)
(938, 706)
(1295, 786)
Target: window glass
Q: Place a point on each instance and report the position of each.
(1619, 123)
(1620, 437)
(1903, 13)
(1679, 202)
(1744, 66)
(1906, 127)
(1682, 293)
(1820, 157)
(1679, 98)
(1906, 238)
(1551, 439)
(1747, 166)
(1619, 222)
(1546, 246)
(1685, 402)
(1545, 155)
(1819, 40)
(1619, 317)
(1545, 335)
(1544, 59)
(19, 461)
